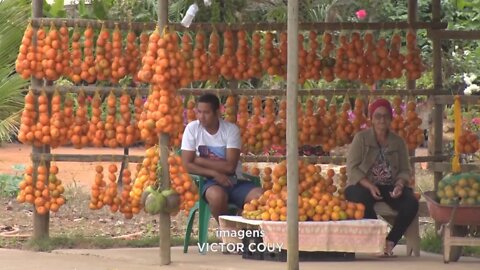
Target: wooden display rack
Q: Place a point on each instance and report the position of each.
(435, 28)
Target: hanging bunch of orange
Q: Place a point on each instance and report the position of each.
(344, 131)
(177, 125)
(58, 129)
(111, 121)
(26, 133)
(75, 58)
(359, 113)
(138, 108)
(398, 123)
(254, 67)
(42, 193)
(396, 57)
(44, 197)
(227, 62)
(327, 62)
(313, 64)
(200, 58)
(125, 128)
(413, 61)
(282, 122)
(273, 58)
(187, 53)
(149, 117)
(254, 127)
(467, 142)
(342, 58)
(148, 66)
(191, 115)
(269, 128)
(78, 133)
(310, 127)
(97, 189)
(132, 54)
(65, 50)
(240, 70)
(96, 126)
(26, 62)
(26, 186)
(103, 50)
(42, 129)
(52, 54)
(182, 183)
(213, 57)
(242, 120)
(329, 126)
(323, 131)
(144, 42)
(414, 135)
(56, 189)
(89, 72)
(230, 110)
(302, 61)
(119, 66)
(147, 176)
(111, 197)
(68, 117)
(125, 206)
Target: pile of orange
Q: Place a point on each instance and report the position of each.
(318, 199)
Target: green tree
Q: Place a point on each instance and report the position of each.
(14, 16)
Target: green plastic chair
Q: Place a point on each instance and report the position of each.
(204, 212)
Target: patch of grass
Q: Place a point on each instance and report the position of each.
(99, 242)
(432, 242)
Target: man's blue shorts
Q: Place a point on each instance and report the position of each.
(236, 194)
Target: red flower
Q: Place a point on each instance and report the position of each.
(361, 14)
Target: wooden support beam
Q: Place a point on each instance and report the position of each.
(164, 143)
(446, 167)
(85, 158)
(454, 34)
(41, 223)
(444, 100)
(262, 26)
(339, 160)
(90, 90)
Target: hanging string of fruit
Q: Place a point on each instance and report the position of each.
(89, 72)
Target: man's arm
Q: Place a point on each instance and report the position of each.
(188, 158)
(227, 166)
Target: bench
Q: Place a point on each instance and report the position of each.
(412, 235)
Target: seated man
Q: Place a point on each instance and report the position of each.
(211, 148)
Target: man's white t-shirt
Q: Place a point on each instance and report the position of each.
(196, 138)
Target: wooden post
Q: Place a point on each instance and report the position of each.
(437, 147)
(292, 130)
(40, 222)
(164, 224)
(412, 18)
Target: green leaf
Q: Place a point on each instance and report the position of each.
(82, 10)
(58, 9)
(99, 10)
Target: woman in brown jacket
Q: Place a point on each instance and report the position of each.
(378, 169)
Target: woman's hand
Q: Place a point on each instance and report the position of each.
(397, 191)
(375, 192)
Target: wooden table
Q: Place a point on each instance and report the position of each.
(355, 236)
